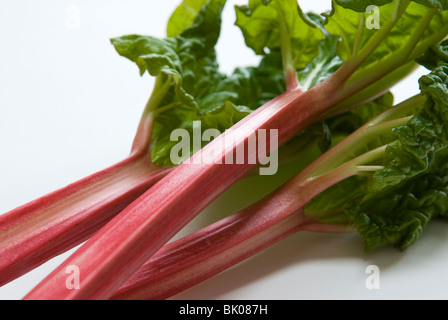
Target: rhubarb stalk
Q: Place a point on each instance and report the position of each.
(113, 254)
(195, 258)
(138, 232)
(55, 223)
(51, 225)
(207, 252)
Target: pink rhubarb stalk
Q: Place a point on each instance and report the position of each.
(119, 249)
(205, 253)
(112, 255)
(189, 261)
(42, 229)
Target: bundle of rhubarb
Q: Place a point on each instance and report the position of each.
(319, 100)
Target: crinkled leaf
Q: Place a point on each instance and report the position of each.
(414, 151)
(199, 91)
(162, 51)
(435, 56)
(184, 16)
(261, 22)
(259, 85)
(424, 135)
(160, 56)
(399, 217)
(189, 58)
(207, 24)
(188, 61)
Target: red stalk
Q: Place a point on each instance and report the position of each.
(119, 249)
(189, 261)
(42, 229)
(55, 223)
(203, 254)
(207, 252)
(111, 256)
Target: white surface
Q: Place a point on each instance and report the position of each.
(69, 106)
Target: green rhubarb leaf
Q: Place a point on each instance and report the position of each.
(161, 51)
(189, 86)
(436, 4)
(357, 29)
(188, 80)
(414, 151)
(436, 56)
(362, 5)
(221, 103)
(188, 60)
(386, 39)
(221, 118)
(417, 142)
(399, 218)
(160, 56)
(258, 85)
(325, 63)
(185, 15)
(279, 24)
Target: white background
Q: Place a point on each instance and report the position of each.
(69, 106)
